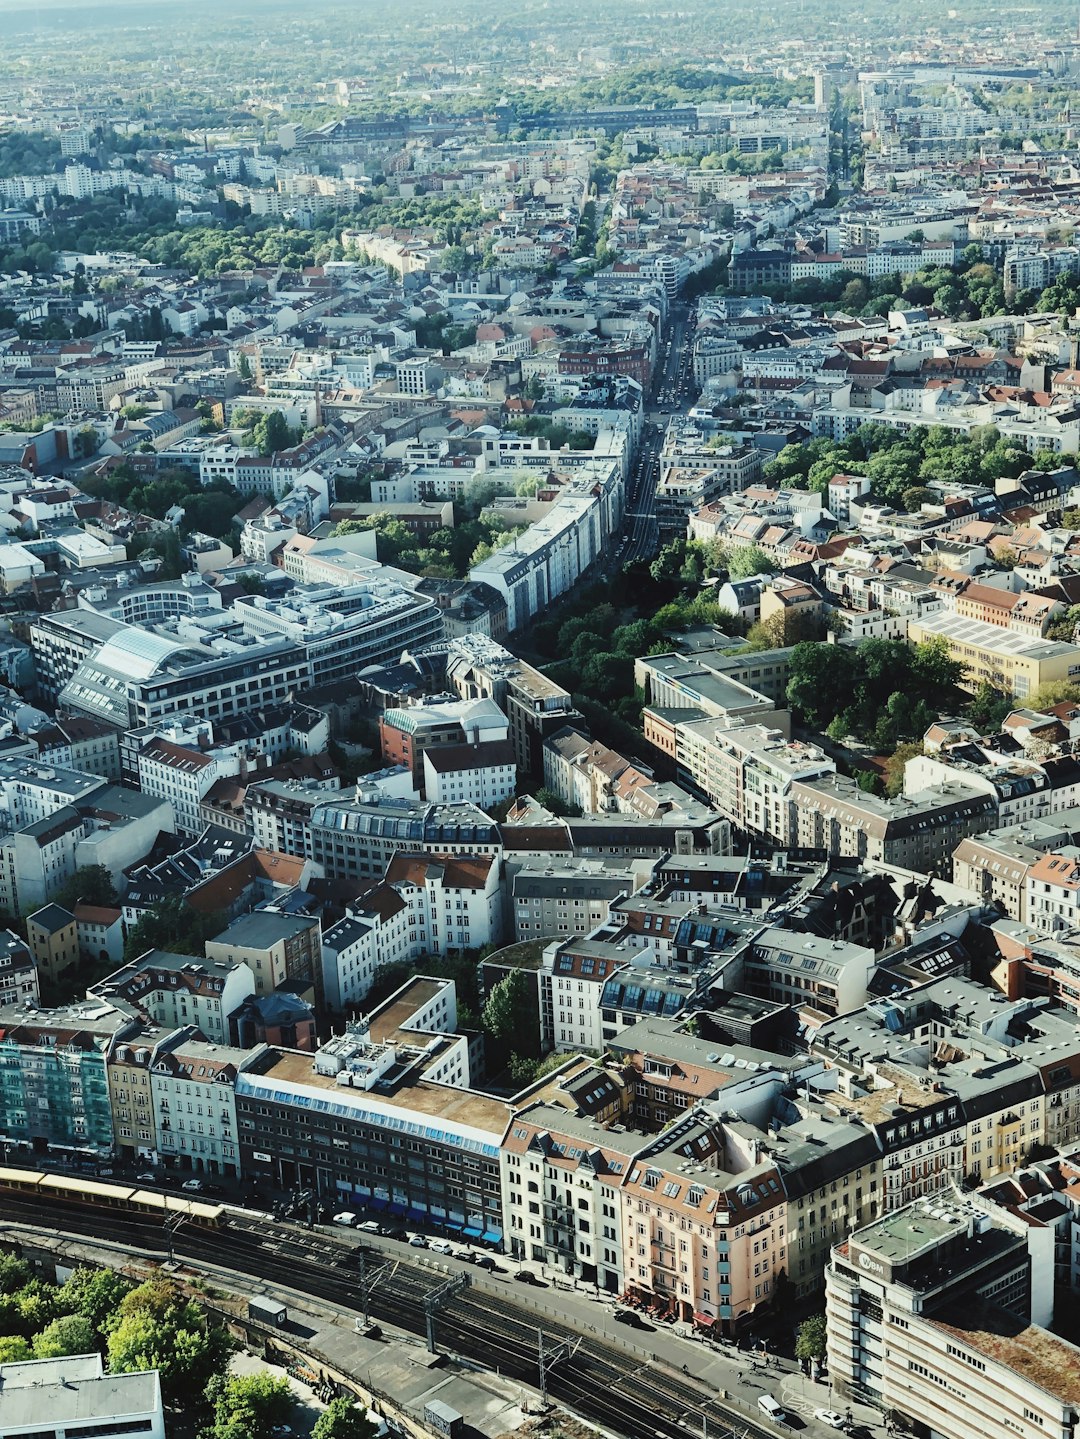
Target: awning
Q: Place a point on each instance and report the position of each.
(398, 1209)
(493, 1236)
(451, 1223)
(471, 1231)
(374, 1203)
(417, 1216)
(704, 1319)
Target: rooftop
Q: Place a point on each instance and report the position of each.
(477, 1112)
(1036, 1355)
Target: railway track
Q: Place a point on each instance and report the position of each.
(603, 1382)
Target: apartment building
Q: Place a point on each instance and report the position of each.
(561, 1175)
(361, 1124)
(931, 1315)
(1010, 661)
(545, 561)
(996, 865)
(192, 1091)
(177, 990)
(479, 668)
(833, 816)
(276, 948)
(704, 1223)
(687, 485)
(180, 774)
(134, 1120)
(55, 1090)
(748, 772)
(454, 902)
(826, 975)
(484, 773)
(53, 938)
(555, 896)
(406, 732)
(1052, 890)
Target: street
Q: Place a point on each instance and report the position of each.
(672, 389)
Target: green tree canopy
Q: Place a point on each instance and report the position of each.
(91, 883)
(510, 1016)
(157, 1328)
(811, 1339)
(171, 924)
(252, 1405)
(343, 1419)
(70, 1334)
(94, 1293)
(744, 561)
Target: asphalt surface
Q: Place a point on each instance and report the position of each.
(673, 390)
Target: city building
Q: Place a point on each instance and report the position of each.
(277, 948)
(73, 1396)
(935, 1314)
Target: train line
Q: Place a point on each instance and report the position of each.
(623, 1392)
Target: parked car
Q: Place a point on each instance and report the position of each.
(632, 1318)
(369, 1226)
(441, 1246)
(526, 1276)
(146, 1177)
(483, 1261)
(346, 1217)
(193, 1186)
(771, 1409)
(418, 1241)
(829, 1418)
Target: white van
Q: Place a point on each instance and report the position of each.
(769, 1407)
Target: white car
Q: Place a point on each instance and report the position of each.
(193, 1186)
(347, 1218)
(418, 1241)
(830, 1418)
(441, 1246)
(369, 1226)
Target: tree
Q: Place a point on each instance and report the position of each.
(70, 1334)
(271, 433)
(510, 1015)
(243, 366)
(173, 925)
(91, 883)
(95, 1294)
(988, 708)
(157, 1328)
(343, 1419)
(745, 561)
(915, 496)
(14, 1349)
(811, 1340)
(821, 679)
(1053, 692)
(935, 672)
(554, 803)
(249, 1404)
(896, 764)
(15, 1274)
